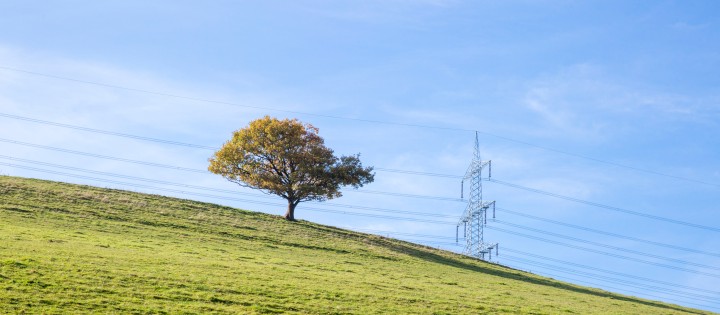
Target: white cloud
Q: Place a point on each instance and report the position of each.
(585, 103)
(107, 108)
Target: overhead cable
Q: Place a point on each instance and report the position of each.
(607, 207)
(191, 145)
(635, 239)
(612, 272)
(620, 249)
(545, 240)
(179, 168)
(256, 195)
(667, 291)
(589, 158)
(221, 197)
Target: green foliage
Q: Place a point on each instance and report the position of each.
(288, 159)
(69, 249)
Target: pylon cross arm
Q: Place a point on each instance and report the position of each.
(475, 169)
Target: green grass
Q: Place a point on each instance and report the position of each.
(77, 249)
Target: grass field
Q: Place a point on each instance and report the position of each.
(76, 249)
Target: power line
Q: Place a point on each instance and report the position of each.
(179, 168)
(605, 253)
(331, 204)
(613, 280)
(378, 216)
(626, 275)
(111, 133)
(156, 164)
(627, 291)
(236, 192)
(206, 147)
(133, 177)
(172, 167)
(666, 291)
(600, 205)
(438, 243)
(104, 156)
(190, 145)
(637, 169)
(377, 192)
(202, 171)
(565, 263)
(682, 248)
(672, 292)
(377, 168)
(661, 298)
(205, 195)
(133, 184)
(364, 191)
(367, 215)
(236, 199)
(223, 197)
(417, 173)
(341, 205)
(381, 232)
(604, 278)
(620, 249)
(650, 288)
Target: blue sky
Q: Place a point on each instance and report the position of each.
(632, 83)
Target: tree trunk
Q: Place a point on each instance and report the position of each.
(290, 214)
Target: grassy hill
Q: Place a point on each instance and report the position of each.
(77, 249)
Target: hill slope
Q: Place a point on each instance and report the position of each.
(77, 249)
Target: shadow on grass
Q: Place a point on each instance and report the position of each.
(15, 209)
(417, 251)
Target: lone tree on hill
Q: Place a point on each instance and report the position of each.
(287, 158)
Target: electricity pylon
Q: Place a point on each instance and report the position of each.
(475, 216)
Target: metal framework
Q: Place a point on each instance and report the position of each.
(475, 216)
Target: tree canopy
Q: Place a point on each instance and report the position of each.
(289, 159)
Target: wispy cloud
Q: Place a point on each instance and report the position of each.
(110, 109)
(585, 102)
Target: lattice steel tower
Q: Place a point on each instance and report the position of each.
(475, 216)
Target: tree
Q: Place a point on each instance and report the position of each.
(289, 159)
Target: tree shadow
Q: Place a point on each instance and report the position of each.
(476, 265)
